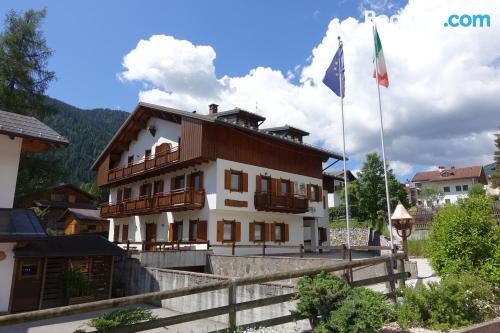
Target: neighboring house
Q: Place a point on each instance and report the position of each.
(58, 199)
(20, 133)
(176, 175)
(412, 191)
(454, 182)
(488, 170)
(334, 198)
(78, 221)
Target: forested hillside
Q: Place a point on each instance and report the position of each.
(88, 132)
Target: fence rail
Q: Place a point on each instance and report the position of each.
(231, 308)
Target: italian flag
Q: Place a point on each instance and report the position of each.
(383, 79)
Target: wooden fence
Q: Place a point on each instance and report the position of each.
(233, 306)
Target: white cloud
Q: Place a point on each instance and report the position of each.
(440, 109)
(401, 169)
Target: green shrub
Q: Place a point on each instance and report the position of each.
(77, 284)
(458, 300)
(364, 311)
(331, 305)
(465, 238)
(120, 318)
(320, 294)
(418, 248)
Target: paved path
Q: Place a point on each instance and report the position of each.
(69, 324)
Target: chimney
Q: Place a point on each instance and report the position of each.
(441, 167)
(212, 108)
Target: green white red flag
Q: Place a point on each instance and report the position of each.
(383, 79)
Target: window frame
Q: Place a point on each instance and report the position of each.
(193, 227)
(156, 187)
(130, 160)
(175, 231)
(281, 226)
(465, 188)
(233, 231)
(239, 174)
(288, 184)
(268, 182)
(177, 180)
(458, 188)
(446, 189)
(262, 225)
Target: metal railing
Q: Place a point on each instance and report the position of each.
(233, 306)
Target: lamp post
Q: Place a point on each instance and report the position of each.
(403, 222)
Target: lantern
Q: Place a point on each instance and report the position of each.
(403, 222)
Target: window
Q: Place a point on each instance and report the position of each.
(458, 188)
(60, 197)
(158, 187)
(236, 180)
(130, 159)
(278, 232)
(127, 193)
(125, 233)
(197, 230)
(285, 187)
(179, 183)
(29, 269)
(195, 181)
(176, 230)
(145, 190)
(91, 227)
(71, 198)
(227, 231)
(193, 230)
(314, 192)
(465, 188)
(446, 189)
(259, 231)
(265, 184)
(119, 195)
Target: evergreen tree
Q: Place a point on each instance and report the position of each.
(495, 177)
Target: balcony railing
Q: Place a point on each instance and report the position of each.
(286, 203)
(153, 162)
(182, 199)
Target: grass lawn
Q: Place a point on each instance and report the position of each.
(418, 248)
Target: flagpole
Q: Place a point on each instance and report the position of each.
(383, 145)
(346, 182)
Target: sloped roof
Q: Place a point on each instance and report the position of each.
(284, 129)
(449, 174)
(17, 125)
(340, 174)
(70, 246)
(489, 169)
(19, 224)
(237, 110)
(84, 214)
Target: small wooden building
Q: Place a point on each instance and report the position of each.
(78, 221)
(41, 271)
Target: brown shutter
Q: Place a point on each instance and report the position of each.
(286, 237)
(125, 233)
(160, 188)
(237, 231)
(227, 179)
(188, 180)
(309, 191)
(191, 223)
(141, 190)
(273, 232)
(220, 231)
(202, 230)
(201, 180)
(278, 184)
(291, 190)
(251, 234)
(320, 193)
(245, 182)
(266, 231)
(273, 186)
(119, 195)
(258, 181)
(171, 232)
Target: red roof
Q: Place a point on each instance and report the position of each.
(451, 174)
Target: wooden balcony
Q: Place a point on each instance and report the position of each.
(154, 162)
(283, 203)
(176, 200)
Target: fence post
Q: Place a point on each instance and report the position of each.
(302, 250)
(390, 273)
(401, 269)
(232, 302)
(233, 248)
(128, 245)
(263, 249)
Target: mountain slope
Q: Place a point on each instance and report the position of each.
(88, 132)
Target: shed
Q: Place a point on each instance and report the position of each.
(78, 221)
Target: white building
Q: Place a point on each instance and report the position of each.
(17, 133)
(334, 198)
(182, 176)
(453, 182)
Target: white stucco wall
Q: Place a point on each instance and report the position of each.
(453, 195)
(10, 150)
(6, 273)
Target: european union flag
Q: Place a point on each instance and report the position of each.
(334, 76)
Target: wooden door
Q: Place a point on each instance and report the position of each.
(150, 235)
(27, 284)
(116, 236)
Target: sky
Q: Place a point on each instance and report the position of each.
(269, 57)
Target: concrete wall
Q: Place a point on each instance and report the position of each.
(10, 150)
(170, 259)
(6, 273)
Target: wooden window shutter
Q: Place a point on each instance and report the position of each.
(125, 233)
(258, 181)
(285, 233)
(273, 232)
(237, 231)
(171, 232)
(273, 186)
(189, 180)
(320, 193)
(119, 195)
(245, 182)
(291, 190)
(220, 231)
(278, 183)
(202, 230)
(227, 179)
(266, 231)
(309, 191)
(201, 180)
(251, 234)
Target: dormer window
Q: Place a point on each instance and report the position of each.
(445, 173)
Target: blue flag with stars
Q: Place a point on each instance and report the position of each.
(334, 76)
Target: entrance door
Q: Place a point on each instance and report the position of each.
(150, 235)
(27, 285)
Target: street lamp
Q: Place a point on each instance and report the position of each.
(403, 222)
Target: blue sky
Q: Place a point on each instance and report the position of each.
(90, 38)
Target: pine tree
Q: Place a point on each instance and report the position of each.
(495, 177)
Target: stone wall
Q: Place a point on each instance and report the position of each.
(174, 259)
(359, 237)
